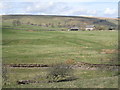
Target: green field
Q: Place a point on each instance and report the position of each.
(51, 47)
(86, 79)
(57, 46)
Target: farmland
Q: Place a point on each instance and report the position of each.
(28, 46)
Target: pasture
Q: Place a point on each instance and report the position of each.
(47, 47)
(52, 47)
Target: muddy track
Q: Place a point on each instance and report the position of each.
(84, 65)
(27, 65)
(29, 81)
(96, 65)
(78, 64)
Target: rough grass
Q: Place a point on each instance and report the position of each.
(21, 46)
(85, 79)
(51, 47)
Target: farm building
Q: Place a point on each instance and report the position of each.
(111, 28)
(73, 29)
(90, 27)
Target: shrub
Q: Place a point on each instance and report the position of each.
(60, 72)
(70, 61)
(16, 23)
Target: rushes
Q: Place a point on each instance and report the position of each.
(60, 72)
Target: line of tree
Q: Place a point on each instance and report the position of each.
(16, 23)
(66, 25)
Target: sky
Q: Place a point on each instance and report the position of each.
(96, 8)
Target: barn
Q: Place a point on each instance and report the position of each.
(73, 29)
(111, 28)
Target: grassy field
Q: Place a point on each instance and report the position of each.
(51, 47)
(86, 79)
(47, 47)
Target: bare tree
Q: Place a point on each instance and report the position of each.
(16, 23)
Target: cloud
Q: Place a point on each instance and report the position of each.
(4, 8)
(91, 12)
(49, 8)
(82, 11)
(61, 0)
(61, 8)
(4, 5)
(1, 6)
(38, 6)
(109, 11)
(53, 7)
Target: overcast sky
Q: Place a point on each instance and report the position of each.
(97, 8)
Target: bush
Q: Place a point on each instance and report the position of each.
(16, 23)
(60, 72)
(70, 61)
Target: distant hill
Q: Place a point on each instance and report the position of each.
(62, 21)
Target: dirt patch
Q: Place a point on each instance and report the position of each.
(89, 66)
(30, 30)
(70, 61)
(109, 51)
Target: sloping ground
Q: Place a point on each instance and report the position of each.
(61, 21)
(85, 79)
(25, 47)
(102, 82)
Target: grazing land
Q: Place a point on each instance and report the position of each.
(27, 44)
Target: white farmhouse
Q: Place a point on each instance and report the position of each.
(90, 27)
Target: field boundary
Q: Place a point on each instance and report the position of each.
(81, 65)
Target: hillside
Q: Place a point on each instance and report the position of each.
(61, 22)
(92, 56)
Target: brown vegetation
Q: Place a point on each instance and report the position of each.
(70, 61)
(109, 51)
